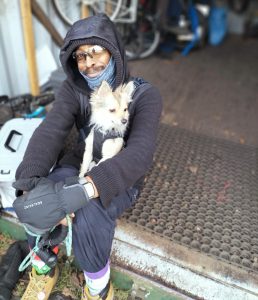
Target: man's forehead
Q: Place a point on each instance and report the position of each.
(85, 47)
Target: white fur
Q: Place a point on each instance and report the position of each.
(108, 109)
(88, 154)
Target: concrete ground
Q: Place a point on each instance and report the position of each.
(213, 90)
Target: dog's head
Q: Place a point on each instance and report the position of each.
(110, 109)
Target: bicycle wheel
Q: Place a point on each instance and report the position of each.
(72, 10)
(141, 39)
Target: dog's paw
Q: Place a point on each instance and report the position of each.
(92, 164)
(81, 175)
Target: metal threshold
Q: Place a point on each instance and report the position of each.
(178, 267)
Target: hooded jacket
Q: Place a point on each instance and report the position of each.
(115, 175)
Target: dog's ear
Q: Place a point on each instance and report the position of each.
(104, 89)
(128, 88)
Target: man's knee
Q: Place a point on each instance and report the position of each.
(59, 173)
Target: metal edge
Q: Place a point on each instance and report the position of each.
(180, 267)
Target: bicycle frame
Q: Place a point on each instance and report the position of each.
(136, 24)
(127, 14)
(102, 6)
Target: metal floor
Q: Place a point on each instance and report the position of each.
(212, 91)
(202, 194)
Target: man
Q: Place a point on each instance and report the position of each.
(92, 52)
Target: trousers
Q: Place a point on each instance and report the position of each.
(93, 225)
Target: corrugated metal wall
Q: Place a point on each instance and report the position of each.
(14, 78)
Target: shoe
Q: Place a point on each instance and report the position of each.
(59, 296)
(40, 286)
(9, 274)
(106, 294)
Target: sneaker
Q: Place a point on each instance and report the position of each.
(40, 286)
(106, 294)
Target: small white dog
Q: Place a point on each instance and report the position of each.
(108, 122)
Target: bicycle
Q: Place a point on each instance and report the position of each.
(25, 106)
(136, 21)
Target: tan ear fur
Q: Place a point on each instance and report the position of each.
(99, 94)
(128, 88)
(103, 89)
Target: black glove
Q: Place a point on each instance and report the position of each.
(26, 184)
(48, 202)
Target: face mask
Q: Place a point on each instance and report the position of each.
(108, 74)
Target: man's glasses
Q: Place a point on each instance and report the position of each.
(93, 52)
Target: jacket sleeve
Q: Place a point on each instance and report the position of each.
(113, 176)
(48, 139)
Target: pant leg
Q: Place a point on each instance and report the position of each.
(61, 172)
(93, 230)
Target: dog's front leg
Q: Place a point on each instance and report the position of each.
(88, 154)
(111, 147)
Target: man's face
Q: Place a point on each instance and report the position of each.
(91, 59)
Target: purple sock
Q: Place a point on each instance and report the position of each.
(96, 282)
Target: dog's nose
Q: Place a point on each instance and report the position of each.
(124, 121)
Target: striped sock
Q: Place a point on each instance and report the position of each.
(96, 282)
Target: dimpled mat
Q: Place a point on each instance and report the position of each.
(202, 192)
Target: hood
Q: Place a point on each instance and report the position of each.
(94, 30)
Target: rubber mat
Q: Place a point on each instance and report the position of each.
(202, 192)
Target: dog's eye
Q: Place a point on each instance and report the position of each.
(125, 109)
(112, 110)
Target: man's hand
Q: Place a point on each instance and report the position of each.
(64, 220)
(48, 203)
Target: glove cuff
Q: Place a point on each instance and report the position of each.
(74, 197)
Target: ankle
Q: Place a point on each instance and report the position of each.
(96, 282)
